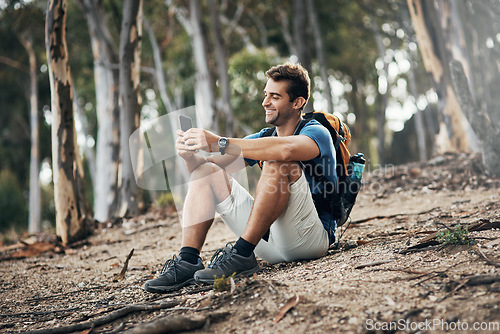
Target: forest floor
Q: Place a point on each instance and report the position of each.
(389, 275)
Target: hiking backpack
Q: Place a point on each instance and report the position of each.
(349, 168)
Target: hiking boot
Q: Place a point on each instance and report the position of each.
(175, 274)
(226, 261)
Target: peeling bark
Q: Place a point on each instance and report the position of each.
(436, 35)
(72, 214)
(130, 102)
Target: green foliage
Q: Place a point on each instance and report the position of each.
(165, 200)
(247, 74)
(223, 283)
(457, 236)
(255, 40)
(13, 204)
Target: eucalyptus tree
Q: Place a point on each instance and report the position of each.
(459, 45)
(130, 102)
(73, 219)
(25, 21)
(106, 76)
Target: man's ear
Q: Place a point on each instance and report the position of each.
(299, 102)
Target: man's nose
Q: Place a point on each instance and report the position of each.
(265, 101)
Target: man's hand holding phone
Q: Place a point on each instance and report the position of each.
(191, 140)
(182, 147)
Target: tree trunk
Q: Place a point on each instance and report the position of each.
(88, 152)
(180, 170)
(383, 93)
(438, 44)
(221, 58)
(482, 124)
(130, 102)
(301, 42)
(419, 120)
(106, 78)
(320, 52)
(72, 215)
(159, 76)
(476, 74)
(420, 127)
(204, 94)
(463, 54)
(35, 197)
(285, 26)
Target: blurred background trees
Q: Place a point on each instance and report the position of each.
(383, 67)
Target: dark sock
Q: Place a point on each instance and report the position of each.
(190, 254)
(243, 247)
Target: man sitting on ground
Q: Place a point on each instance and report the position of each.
(281, 223)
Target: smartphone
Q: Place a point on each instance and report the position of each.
(186, 122)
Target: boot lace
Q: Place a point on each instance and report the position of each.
(220, 255)
(170, 265)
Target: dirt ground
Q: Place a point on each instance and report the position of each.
(380, 280)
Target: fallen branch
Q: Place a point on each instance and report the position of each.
(422, 248)
(375, 263)
(360, 221)
(169, 324)
(106, 319)
(482, 279)
(427, 242)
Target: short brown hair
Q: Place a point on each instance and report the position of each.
(297, 77)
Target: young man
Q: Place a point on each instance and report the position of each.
(281, 223)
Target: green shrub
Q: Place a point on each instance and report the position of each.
(165, 200)
(457, 236)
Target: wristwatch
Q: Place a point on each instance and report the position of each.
(223, 143)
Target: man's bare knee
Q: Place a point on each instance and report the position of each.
(204, 169)
(213, 175)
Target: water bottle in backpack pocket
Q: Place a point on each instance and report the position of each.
(352, 185)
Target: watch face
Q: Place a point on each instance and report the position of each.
(223, 142)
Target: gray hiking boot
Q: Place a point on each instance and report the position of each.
(175, 274)
(226, 261)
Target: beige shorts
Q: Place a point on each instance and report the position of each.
(297, 233)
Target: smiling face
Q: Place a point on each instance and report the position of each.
(279, 109)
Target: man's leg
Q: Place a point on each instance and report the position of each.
(208, 185)
(271, 199)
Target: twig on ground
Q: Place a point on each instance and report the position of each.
(426, 243)
(24, 314)
(481, 254)
(292, 302)
(360, 221)
(375, 263)
(436, 273)
(121, 275)
(408, 271)
(36, 299)
(108, 318)
(482, 279)
(423, 249)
